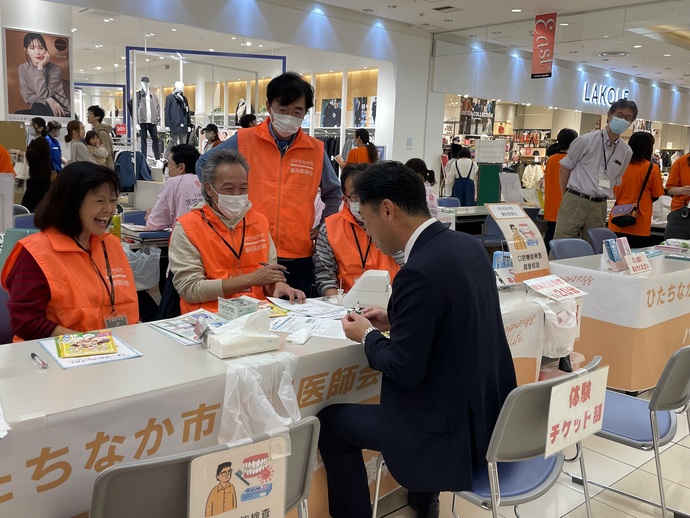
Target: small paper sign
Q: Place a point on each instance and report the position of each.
(553, 287)
(637, 263)
(576, 410)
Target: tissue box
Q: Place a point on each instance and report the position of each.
(235, 308)
(248, 334)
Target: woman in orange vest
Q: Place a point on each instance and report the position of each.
(364, 151)
(223, 248)
(72, 276)
(344, 250)
(552, 186)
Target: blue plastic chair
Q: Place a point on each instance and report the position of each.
(135, 217)
(24, 221)
(19, 209)
(492, 236)
(570, 247)
(516, 471)
(448, 201)
(644, 425)
(597, 237)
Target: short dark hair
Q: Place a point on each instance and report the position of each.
(60, 207)
(351, 171)
(622, 104)
(288, 88)
(389, 180)
(464, 153)
(419, 166)
(565, 137)
(89, 135)
(31, 36)
(642, 145)
(97, 111)
(222, 466)
(187, 155)
(247, 119)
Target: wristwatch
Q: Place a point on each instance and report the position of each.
(364, 336)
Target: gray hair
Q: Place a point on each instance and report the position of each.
(218, 157)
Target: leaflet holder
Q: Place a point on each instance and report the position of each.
(373, 288)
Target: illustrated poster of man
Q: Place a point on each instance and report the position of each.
(222, 497)
(38, 75)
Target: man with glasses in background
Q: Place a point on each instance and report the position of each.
(288, 169)
(594, 164)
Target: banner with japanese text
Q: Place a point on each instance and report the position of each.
(543, 41)
(525, 242)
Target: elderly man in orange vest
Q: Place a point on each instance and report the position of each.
(288, 169)
(344, 251)
(223, 248)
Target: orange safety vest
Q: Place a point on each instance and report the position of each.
(218, 260)
(78, 296)
(350, 253)
(284, 188)
(552, 186)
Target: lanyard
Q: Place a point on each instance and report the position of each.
(364, 257)
(111, 290)
(603, 149)
(244, 230)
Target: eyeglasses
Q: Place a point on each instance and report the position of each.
(353, 198)
(225, 473)
(284, 110)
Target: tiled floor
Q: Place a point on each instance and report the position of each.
(609, 463)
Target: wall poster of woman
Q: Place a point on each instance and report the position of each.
(38, 74)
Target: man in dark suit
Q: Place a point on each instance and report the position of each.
(446, 369)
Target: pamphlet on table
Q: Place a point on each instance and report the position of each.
(181, 329)
(123, 351)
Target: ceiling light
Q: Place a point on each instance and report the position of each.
(579, 69)
(249, 44)
(97, 68)
(98, 46)
(637, 46)
(667, 55)
(174, 29)
(564, 24)
(152, 34)
(465, 96)
(261, 46)
(111, 19)
(330, 71)
(81, 70)
(498, 100)
(233, 38)
(116, 65)
(148, 60)
(516, 10)
(106, 20)
(528, 104)
(653, 85)
(211, 50)
(74, 29)
(607, 74)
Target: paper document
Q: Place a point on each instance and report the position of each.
(124, 352)
(312, 308)
(181, 329)
(316, 326)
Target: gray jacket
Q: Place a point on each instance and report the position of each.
(141, 108)
(38, 85)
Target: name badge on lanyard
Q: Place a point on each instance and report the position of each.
(604, 180)
(116, 321)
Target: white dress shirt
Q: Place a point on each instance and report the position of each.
(415, 235)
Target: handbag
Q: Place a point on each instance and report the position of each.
(626, 215)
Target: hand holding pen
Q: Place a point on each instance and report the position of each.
(268, 274)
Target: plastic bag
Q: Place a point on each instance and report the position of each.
(561, 329)
(259, 396)
(146, 265)
(249, 334)
(21, 169)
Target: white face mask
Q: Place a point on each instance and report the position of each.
(231, 205)
(354, 208)
(31, 130)
(285, 124)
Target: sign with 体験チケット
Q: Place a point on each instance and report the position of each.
(525, 242)
(576, 410)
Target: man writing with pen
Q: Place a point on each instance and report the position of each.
(223, 248)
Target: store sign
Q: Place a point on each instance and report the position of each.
(603, 94)
(543, 42)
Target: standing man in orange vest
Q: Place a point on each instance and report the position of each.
(224, 248)
(344, 250)
(288, 168)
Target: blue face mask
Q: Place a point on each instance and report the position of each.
(618, 125)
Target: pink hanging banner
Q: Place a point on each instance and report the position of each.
(543, 42)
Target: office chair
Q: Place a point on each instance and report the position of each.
(597, 237)
(448, 201)
(570, 247)
(136, 217)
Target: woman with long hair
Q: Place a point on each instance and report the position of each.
(364, 152)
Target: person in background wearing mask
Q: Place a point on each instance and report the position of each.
(594, 164)
(288, 168)
(56, 157)
(223, 248)
(344, 250)
(212, 138)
